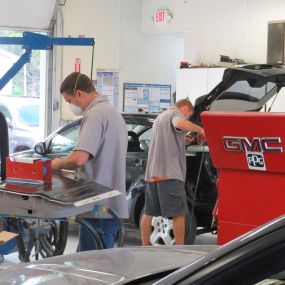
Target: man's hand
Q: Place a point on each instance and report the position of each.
(72, 161)
(201, 138)
(56, 164)
(188, 140)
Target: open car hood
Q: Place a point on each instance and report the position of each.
(243, 89)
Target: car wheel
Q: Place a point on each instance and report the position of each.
(190, 228)
(48, 239)
(162, 230)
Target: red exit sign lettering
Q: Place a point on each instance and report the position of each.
(160, 16)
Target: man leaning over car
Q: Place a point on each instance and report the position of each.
(100, 153)
(166, 170)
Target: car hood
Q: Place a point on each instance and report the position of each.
(112, 266)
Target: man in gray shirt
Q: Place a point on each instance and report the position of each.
(100, 153)
(166, 169)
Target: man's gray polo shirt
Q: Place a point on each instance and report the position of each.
(103, 134)
(166, 157)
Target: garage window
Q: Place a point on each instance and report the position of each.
(28, 84)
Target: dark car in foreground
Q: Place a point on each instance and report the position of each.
(256, 257)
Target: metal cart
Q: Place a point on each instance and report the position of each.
(40, 213)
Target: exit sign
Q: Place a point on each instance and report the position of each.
(162, 17)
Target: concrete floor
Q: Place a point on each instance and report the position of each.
(132, 238)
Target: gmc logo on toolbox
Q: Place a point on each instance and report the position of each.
(256, 144)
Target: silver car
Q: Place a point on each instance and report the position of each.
(254, 258)
(22, 115)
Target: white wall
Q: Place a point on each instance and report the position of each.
(200, 31)
(259, 13)
(120, 44)
(180, 10)
(219, 28)
(211, 28)
(92, 18)
(145, 58)
(237, 28)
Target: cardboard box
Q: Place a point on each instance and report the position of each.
(8, 242)
(5, 237)
(28, 170)
(226, 64)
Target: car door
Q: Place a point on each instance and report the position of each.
(138, 140)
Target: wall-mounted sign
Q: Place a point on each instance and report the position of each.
(108, 85)
(146, 97)
(162, 17)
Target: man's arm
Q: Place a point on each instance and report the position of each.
(186, 126)
(74, 160)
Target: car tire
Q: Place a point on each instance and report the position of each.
(48, 244)
(60, 243)
(190, 228)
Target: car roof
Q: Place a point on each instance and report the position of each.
(140, 118)
(130, 118)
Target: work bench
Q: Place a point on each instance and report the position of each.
(32, 211)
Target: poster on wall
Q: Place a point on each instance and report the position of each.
(108, 85)
(150, 98)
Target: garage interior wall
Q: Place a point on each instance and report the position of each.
(211, 28)
(91, 18)
(259, 13)
(127, 40)
(120, 44)
(145, 58)
(234, 28)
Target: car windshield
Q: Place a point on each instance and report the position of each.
(241, 90)
(139, 136)
(29, 115)
(66, 140)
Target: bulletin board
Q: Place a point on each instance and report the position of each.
(108, 85)
(146, 97)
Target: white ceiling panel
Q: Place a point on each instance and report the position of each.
(26, 14)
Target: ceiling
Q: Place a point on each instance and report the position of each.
(27, 14)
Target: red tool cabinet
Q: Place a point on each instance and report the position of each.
(248, 151)
(24, 170)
